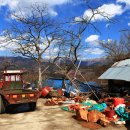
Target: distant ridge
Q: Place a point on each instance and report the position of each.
(21, 62)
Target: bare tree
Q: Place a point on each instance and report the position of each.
(7, 64)
(33, 34)
(113, 49)
(73, 40)
(126, 41)
(117, 50)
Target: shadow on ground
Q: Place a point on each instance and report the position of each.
(128, 125)
(14, 109)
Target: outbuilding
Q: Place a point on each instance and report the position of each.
(118, 77)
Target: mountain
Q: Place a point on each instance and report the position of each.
(26, 63)
(94, 62)
(15, 62)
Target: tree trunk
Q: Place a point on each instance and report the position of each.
(39, 76)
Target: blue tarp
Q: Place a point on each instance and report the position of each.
(83, 87)
(55, 83)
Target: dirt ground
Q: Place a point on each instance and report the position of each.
(44, 118)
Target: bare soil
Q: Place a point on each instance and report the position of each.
(45, 118)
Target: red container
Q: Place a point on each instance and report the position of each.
(60, 92)
(110, 113)
(118, 101)
(45, 91)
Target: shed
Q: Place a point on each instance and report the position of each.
(118, 76)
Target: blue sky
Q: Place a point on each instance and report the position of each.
(119, 10)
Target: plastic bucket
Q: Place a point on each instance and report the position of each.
(118, 101)
(110, 113)
(45, 91)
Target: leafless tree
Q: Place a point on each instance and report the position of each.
(126, 41)
(7, 64)
(113, 49)
(33, 34)
(73, 38)
(117, 50)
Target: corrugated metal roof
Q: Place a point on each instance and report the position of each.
(118, 71)
(122, 63)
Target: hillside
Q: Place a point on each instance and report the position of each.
(26, 63)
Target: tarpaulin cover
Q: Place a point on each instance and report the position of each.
(100, 107)
(81, 114)
(87, 104)
(66, 109)
(122, 113)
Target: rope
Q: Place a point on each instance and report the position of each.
(81, 76)
(87, 83)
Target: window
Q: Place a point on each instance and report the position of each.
(12, 78)
(7, 78)
(18, 78)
